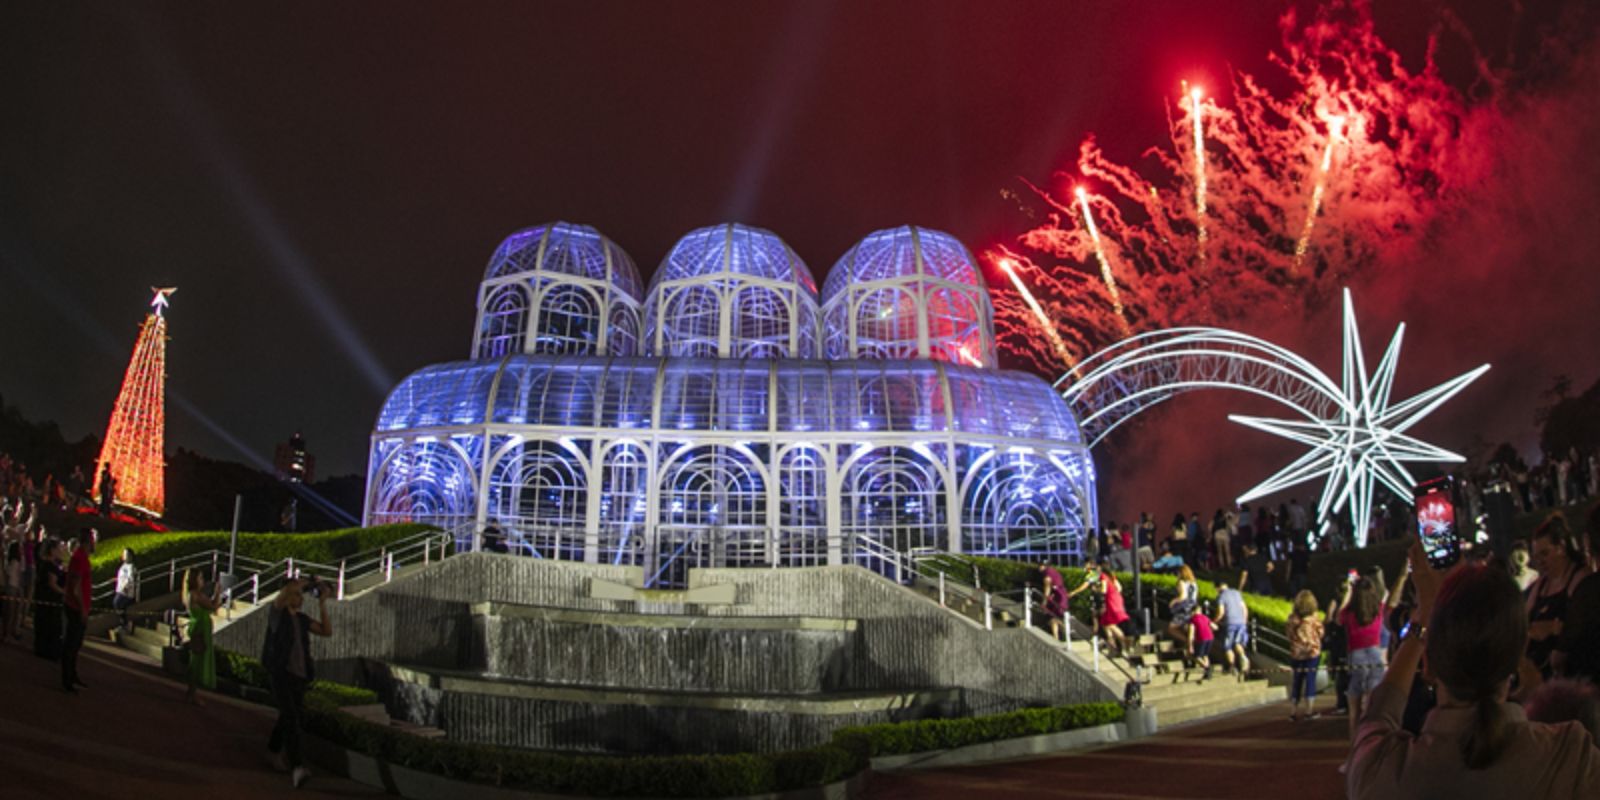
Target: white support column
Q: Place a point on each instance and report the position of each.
(834, 481)
(594, 482)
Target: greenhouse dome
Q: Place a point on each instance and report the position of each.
(732, 446)
(558, 288)
(909, 292)
(731, 291)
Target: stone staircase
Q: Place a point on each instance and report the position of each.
(1178, 694)
(152, 637)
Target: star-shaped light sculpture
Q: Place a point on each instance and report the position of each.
(1366, 443)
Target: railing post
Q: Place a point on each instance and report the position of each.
(1027, 607)
(172, 575)
(213, 565)
(444, 542)
(988, 611)
(288, 573)
(341, 579)
(388, 569)
(427, 553)
(1255, 631)
(1066, 622)
(255, 589)
(941, 590)
(1146, 620)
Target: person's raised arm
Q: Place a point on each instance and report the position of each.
(1344, 598)
(322, 627)
(1397, 590)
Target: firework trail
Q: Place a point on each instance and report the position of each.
(1199, 175)
(1105, 265)
(1300, 247)
(1234, 178)
(1009, 267)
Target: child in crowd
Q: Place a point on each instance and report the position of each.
(1201, 637)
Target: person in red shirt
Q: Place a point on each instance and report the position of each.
(1105, 599)
(76, 598)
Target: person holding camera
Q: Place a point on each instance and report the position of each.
(1472, 627)
(202, 651)
(286, 653)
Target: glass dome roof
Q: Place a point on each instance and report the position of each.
(901, 252)
(737, 249)
(730, 395)
(568, 249)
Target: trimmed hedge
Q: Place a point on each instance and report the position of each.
(603, 776)
(900, 738)
(693, 775)
(326, 547)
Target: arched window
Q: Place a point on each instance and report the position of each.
(568, 321)
(713, 513)
(893, 498)
(538, 495)
(505, 321)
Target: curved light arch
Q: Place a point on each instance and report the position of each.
(1138, 372)
(1357, 437)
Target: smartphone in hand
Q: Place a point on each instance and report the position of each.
(1436, 521)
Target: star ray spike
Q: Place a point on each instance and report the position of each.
(1365, 444)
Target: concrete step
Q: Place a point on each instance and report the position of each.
(1178, 716)
(138, 644)
(1208, 693)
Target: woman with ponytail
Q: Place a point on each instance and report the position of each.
(1472, 627)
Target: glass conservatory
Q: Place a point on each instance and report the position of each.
(730, 443)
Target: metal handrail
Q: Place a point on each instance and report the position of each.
(261, 574)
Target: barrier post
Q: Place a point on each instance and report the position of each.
(988, 611)
(172, 575)
(341, 579)
(1027, 607)
(255, 589)
(288, 574)
(941, 590)
(388, 569)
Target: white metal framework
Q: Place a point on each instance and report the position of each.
(673, 463)
(731, 291)
(558, 288)
(1357, 437)
(909, 292)
(730, 445)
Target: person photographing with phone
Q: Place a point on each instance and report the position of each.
(286, 653)
(1467, 631)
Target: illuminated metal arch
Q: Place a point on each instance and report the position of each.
(426, 479)
(1113, 385)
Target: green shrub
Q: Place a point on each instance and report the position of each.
(899, 738)
(243, 669)
(326, 547)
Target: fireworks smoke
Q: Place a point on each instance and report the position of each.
(1301, 191)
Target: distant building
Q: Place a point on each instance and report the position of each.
(293, 462)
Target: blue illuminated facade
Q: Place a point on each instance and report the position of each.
(698, 425)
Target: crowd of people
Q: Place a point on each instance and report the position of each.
(45, 588)
(1257, 540)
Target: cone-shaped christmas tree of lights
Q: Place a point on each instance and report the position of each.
(135, 446)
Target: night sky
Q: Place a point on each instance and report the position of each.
(325, 182)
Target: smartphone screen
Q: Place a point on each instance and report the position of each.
(1436, 521)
